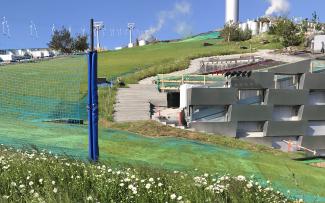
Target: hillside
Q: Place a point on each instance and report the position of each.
(138, 144)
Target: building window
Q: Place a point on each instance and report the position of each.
(209, 113)
(286, 81)
(251, 97)
(250, 129)
(286, 113)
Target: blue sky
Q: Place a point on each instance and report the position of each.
(204, 15)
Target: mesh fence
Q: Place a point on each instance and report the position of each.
(41, 95)
(42, 104)
(32, 95)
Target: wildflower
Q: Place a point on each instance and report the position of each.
(31, 183)
(13, 184)
(21, 186)
(206, 175)
(5, 197)
(55, 190)
(249, 185)
(148, 185)
(160, 184)
(151, 180)
(40, 181)
(36, 195)
(31, 191)
(121, 184)
(241, 178)
(179, 198)
(109, 170)
(89, 198)
(53, 182)
(173, 196)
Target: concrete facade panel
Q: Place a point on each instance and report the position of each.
(315, 143)
(285, 128)
(286, 97)
(313, 81)
(258, 80)
(250, 113)
(314, 113)
(211, 96)
(224, 128)
(293, 68)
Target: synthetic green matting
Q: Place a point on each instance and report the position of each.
(204, 36)
(31, 98)
(165, 82)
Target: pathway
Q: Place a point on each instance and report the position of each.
(133, 103)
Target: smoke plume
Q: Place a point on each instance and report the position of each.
(180, 8)
(278, 7)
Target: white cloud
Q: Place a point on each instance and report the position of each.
(278, 7)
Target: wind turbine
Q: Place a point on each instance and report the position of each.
(131, 27)
(5, 27)
(53, 29)
(33, 30)
(8, 31)
(83, 31)
(98, 26)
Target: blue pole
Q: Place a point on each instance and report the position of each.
(90, 102)
(94, 91)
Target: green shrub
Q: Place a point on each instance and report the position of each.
(288, 32)
(231, 32)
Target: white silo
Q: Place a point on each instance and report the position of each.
(254, 27)
(232, 11)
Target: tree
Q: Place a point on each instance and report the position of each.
(231, 32)
(288, 31)
(61, 41)
(80, 43)
(315, 21)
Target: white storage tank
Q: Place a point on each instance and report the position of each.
(232, 11)
(265, 27)
(142, 43)
(254, 27)
(130, 45)
(244, 26)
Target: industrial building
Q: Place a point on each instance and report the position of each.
(270, 106)
(15, 55)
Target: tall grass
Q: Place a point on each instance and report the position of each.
(40, 177)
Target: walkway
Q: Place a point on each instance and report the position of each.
(133, 103)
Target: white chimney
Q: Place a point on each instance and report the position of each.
(232, 11)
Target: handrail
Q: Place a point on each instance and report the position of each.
(222, 112)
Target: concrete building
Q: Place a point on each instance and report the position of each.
(318, 43)
(6, 56)
(286, 102)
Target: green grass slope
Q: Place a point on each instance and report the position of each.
(206, 153)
